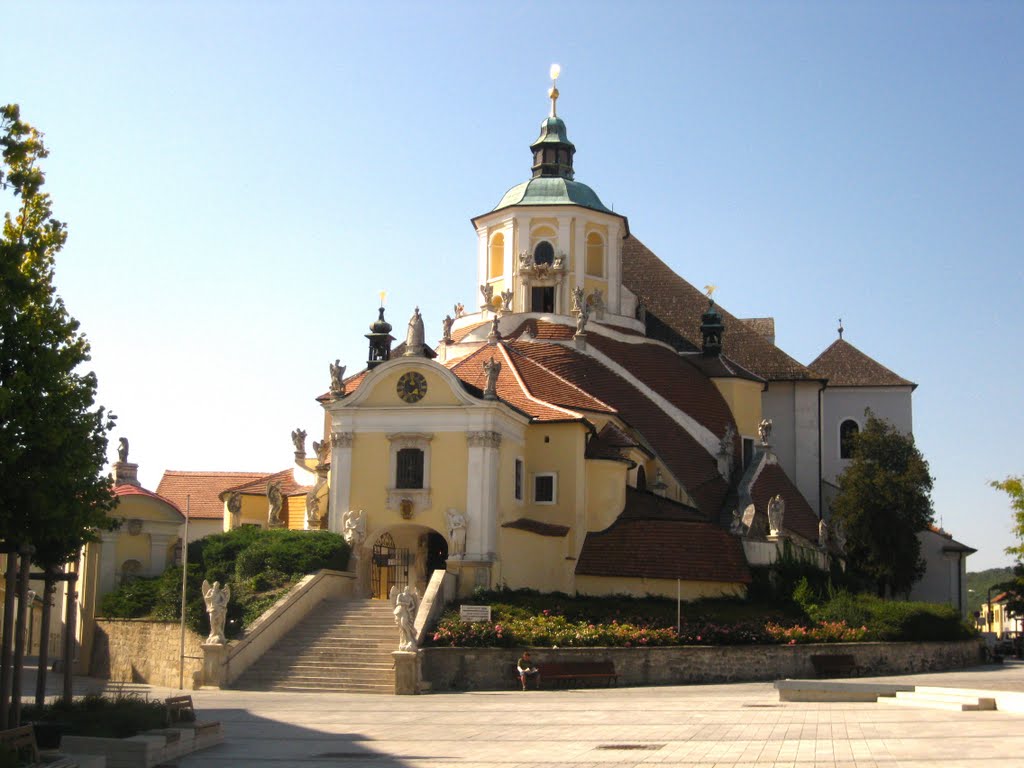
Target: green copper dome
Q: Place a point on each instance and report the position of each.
(552, 190)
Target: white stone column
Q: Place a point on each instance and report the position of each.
(108, 562)
(563, 289)
(509, 258)
(482, 495)
(158, 543)
(482, 253)
(614, 257)
(341, 478)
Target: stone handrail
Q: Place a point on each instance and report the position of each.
(440, 589)
(223, 664)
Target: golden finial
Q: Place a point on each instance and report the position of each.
(710, 289)
(382, 295)
(556, 70)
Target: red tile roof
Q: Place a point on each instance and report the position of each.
(664, 549)
(798, 518)
(695, 468)
(680, 305)
(203, 487)
(846, 366)
(134, 490)
(258, 486)
(463, 332)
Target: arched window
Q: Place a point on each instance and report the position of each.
(847, 431)
(595, 255)
(544, 253)
(641, 479)
(496, 257)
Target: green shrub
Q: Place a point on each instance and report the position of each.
(896, 620)
(259, 565)
(116, 717)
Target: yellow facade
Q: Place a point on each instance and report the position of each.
(744, 400)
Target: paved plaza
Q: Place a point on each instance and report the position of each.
(711, 726)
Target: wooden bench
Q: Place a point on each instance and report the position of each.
(574, 673)
(834, 665)
(181, 713)
(22, 742)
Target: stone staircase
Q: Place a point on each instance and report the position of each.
(950, 699)
(342, 645)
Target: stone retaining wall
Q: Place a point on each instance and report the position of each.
(140, 651)
(448, 669)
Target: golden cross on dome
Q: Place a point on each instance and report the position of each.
(710, 289)
(382, 295)
(556, 70)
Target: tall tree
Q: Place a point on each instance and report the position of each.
(53, 438)
(1014, 488)
(884, 501)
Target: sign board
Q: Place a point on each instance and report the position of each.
(475, 612)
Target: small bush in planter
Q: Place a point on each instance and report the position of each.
(116, 717)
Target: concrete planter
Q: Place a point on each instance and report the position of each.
(144, 750)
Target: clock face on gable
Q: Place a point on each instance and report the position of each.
(412, 387)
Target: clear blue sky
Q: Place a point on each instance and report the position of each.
(240, 180)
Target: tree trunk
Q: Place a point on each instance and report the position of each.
(69, 634)
(25, 551)
(44, 638)
(5, 642)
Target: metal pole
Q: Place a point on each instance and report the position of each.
(8, 631)
(49, 588)
(70, 622)
(25, 551)
(679, 606)
(184, 577)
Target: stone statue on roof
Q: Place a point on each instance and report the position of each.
(122, 450)
(506, 300)
(414, 337)
(595, 301)
(299, 441)
(487, 291)
(776, 512)
(459, 310)
(495, 335)
(577, 299)
(337, 378)
(275, 505)
(491, 369)
(764, 431)
(581, 320)
(446, 329)
(321, 449)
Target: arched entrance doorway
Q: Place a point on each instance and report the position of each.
(406, 555)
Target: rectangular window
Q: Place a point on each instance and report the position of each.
(748, 451)
(410, 468)
(519, 480)
(544, 489)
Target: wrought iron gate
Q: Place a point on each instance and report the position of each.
(390, 566)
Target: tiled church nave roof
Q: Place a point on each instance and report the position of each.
(204, 488)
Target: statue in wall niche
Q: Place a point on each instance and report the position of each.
(216, 598)
(235, 508)
(456, 532)
(577, 300)
(338, 378)
(406, 602)
(506, 299)
(353, 529)
(299, 441)
(491, 369)
(414, 337)
(122, 450)
(823, 534)
(776, 511)
(764, 431)
(275, 505)
(487, 291)
(446, 329)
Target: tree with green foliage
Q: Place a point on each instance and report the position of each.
(53, 439)
(884, 502)
(1013, 486)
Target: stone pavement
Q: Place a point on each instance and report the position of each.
(712, 726)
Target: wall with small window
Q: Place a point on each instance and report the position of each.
(842, 415)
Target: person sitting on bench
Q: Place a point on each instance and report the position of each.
(526, 669)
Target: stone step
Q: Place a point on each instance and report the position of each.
(280, 668)
(944, 702)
